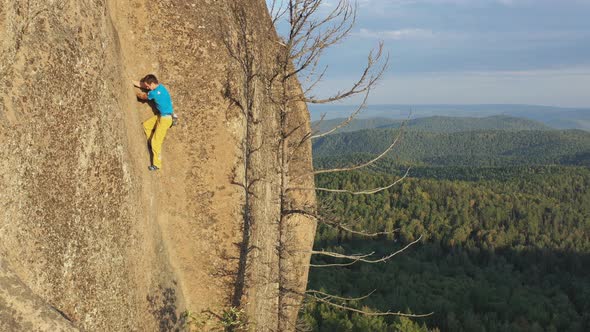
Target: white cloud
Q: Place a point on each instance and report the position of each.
(557, 87)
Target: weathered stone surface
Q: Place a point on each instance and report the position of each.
(84, 225)
(21, 310)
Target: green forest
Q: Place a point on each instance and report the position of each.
(465, 148)
(435, 124)
(505, 245)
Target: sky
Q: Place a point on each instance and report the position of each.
(469, 51)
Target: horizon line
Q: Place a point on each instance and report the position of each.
(453, 104)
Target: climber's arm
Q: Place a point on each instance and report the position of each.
(142, 95)
(138, 84)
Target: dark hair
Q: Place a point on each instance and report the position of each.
(149, 79)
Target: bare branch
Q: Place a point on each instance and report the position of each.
(386, 258)
(277, 11)
(364, 83)
(301, 212)
(368, 313)
(294, 150)
(361, 233)
(364, 192)
(309, 35)
(348, 120)
(362, 258)
(370, 162)
(314, 82)
(337, 255)
(330, 296)
(354, 258)
(316, 127)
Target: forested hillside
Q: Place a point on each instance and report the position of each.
(465, 148)
(435, 124)
(504, 217)
(498, 255)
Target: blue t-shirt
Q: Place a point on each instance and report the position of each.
(161, 97)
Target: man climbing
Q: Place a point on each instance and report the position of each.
(156, 126)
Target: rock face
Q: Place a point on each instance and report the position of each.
(85, 230)
(21, 310)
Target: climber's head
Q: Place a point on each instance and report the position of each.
(150, 82)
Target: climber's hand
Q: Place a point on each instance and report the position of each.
(141, 95)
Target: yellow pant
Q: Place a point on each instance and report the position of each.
(155, 131)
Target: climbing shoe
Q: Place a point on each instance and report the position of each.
(174, 120)
(153, 168)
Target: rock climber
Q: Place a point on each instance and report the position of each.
(156, 127)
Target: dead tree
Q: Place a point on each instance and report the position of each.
(276, 246)
(306, 34)
(240, 49)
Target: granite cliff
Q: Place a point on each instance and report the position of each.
(89, 239)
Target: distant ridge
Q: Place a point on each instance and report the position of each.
(443, 124)
(555, 117)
